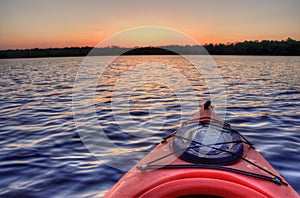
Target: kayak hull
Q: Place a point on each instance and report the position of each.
(248, 176)
(198, 181)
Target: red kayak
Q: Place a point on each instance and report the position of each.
(205, 157)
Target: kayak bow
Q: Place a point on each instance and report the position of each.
(205, 157)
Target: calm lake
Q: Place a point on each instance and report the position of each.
(137, 100)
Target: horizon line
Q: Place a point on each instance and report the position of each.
(116, 46)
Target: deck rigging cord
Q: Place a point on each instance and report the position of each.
(275, 179)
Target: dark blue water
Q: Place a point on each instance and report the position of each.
(42, 154)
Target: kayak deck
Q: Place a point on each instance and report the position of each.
(164, 173)
(198, 181)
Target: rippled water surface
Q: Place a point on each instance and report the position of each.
(137, 100)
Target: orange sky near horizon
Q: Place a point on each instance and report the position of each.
(42, 24)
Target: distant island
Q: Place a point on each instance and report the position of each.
(288, 47)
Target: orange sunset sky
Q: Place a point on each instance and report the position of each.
(65, 23)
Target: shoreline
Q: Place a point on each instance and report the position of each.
(244, 55)
(288, 47)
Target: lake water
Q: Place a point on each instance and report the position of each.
(45, 152)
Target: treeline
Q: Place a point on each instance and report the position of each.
(288, 47)
(47, 52)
